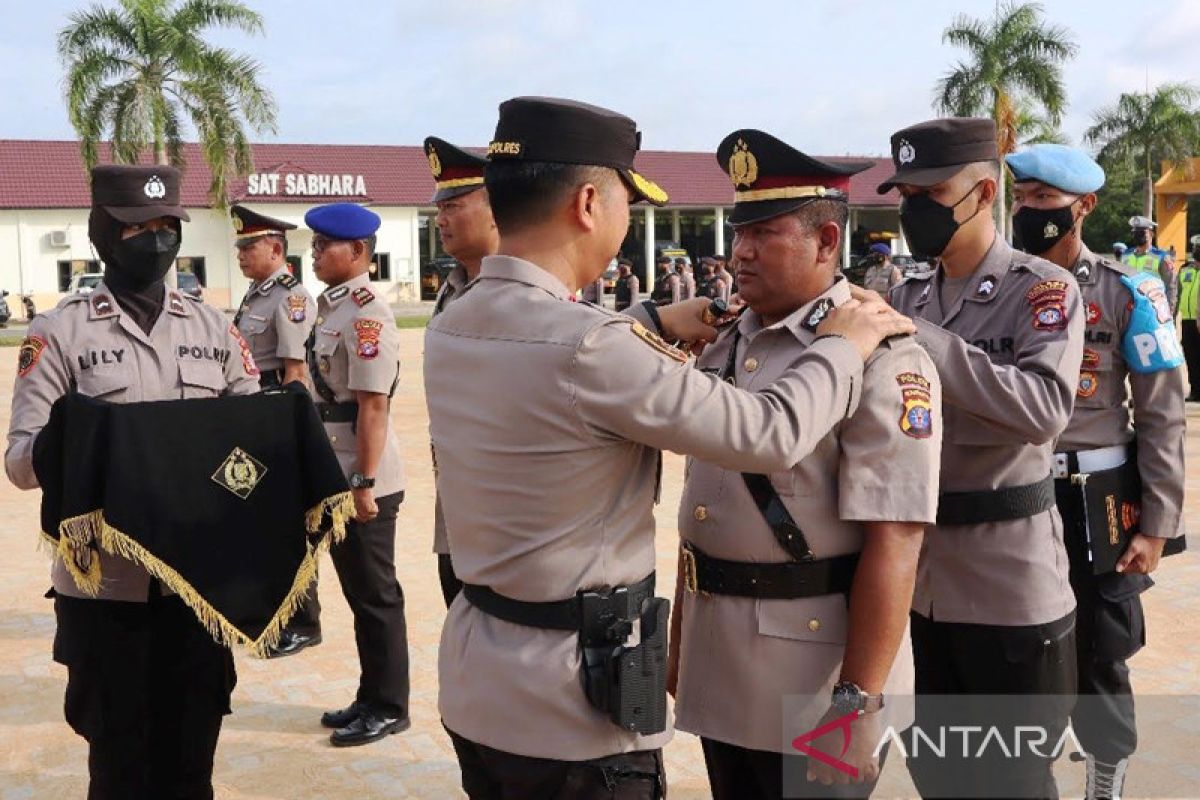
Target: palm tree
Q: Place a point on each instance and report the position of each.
(1013, 58)
(1146, 128)
(141, 72)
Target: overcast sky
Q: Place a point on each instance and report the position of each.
(832, 77)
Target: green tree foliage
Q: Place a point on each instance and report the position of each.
(1012, 58)
(139, 73)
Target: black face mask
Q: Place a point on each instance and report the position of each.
(928, 225)
(1036, 230)
(143, 260)
(1141, 237)
(1196, 253)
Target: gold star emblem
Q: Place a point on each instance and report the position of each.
(240, 473)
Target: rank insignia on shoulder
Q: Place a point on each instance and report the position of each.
(175, 303)
(101, 304)
(1048, 301)
(986, 286)
(369, 331)
(297, 307)
(31, 351)
(362, 295)
(267, 287)
(240, 473)
(288, 281)
(656, 342)
(916, 419)
(818, 314)
(337, 293)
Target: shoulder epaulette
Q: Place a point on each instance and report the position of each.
(287, 281)
(361, 296)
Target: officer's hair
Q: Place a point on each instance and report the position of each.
(814, 214)
(524, 193)
(979, 170)
(370, 241)
(275, 237)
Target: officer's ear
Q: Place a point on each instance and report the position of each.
(1087, 204)
(585, 203)
(829, 242)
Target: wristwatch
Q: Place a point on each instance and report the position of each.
(360, 481)
(849, 698)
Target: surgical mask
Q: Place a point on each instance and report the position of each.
(1141, 237)
(144, 259)
(1036, 230)
(928, 225)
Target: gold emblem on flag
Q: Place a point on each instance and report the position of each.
(240, 473)
(743, 166)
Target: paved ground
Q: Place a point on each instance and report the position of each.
(273, 747)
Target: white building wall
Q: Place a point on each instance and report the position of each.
(29, 263)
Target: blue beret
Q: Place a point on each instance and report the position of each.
(1057, 165)
(881, 248)
(342, 221)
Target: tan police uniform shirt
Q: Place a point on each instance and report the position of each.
(880, 277)
(1102, 402)
(453, 288)
(87, 342)
(532, 397)
(594, 291)
(1008, 352)
(276, 318)
(689, 284)
(740, 656)
(357, 349)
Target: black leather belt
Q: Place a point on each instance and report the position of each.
(338, 412)
(561, 615)
(788, 580)
(997, 505)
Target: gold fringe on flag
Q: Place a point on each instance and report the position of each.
(77, 539)
(341, 511)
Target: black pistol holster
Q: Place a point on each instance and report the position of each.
(626, 682)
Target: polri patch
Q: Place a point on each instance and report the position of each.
(1048, 301)
(369, 331)
(240, 473)
(362, 295)
(1088, 384)
(297, 307)
(30, 353)
(916, 420)
(1091, 358)
(657, 343)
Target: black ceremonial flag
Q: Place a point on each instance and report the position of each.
(224, 500)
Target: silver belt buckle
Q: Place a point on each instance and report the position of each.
(1060, 468)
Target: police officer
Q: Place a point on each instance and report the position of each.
(882, 275)
(147, 686)
(554, 579)
(723, 272)
(860, 501)
(594, 291)
(1143, 256)
(468, 233)
(275, 318)
(627, 291)
(355, 365)
(668, 288)
(1189, 294)
(1054, 191)
(686, 278)
(993, 610)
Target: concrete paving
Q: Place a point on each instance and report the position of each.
(273, 748)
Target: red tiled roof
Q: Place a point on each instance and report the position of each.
(50, 174)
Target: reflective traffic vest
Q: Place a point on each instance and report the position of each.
(1144, 262)
(1189, 284)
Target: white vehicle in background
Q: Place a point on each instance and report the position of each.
(85, 282)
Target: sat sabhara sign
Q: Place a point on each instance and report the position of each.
(301, 184)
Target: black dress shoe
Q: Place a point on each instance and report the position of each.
(342, 717)
(291, 643)
(369, 726)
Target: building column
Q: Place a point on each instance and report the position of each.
(851, 226)
(675, 225)
(719, 231)
(648, 285)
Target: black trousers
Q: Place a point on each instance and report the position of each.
(1110, 629)
(738, 773)
(1034, 665)
(490, 774)
(147, 688)
(451, 585)
(1191, 354)
(366, 566)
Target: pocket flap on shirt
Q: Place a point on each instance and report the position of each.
(811, 619)
(100, 382)
(206, 374)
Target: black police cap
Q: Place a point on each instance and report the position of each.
(249, 225)
(455, 171)
(134, 194)
(770, 177)
(930, 152)
(552, 130)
